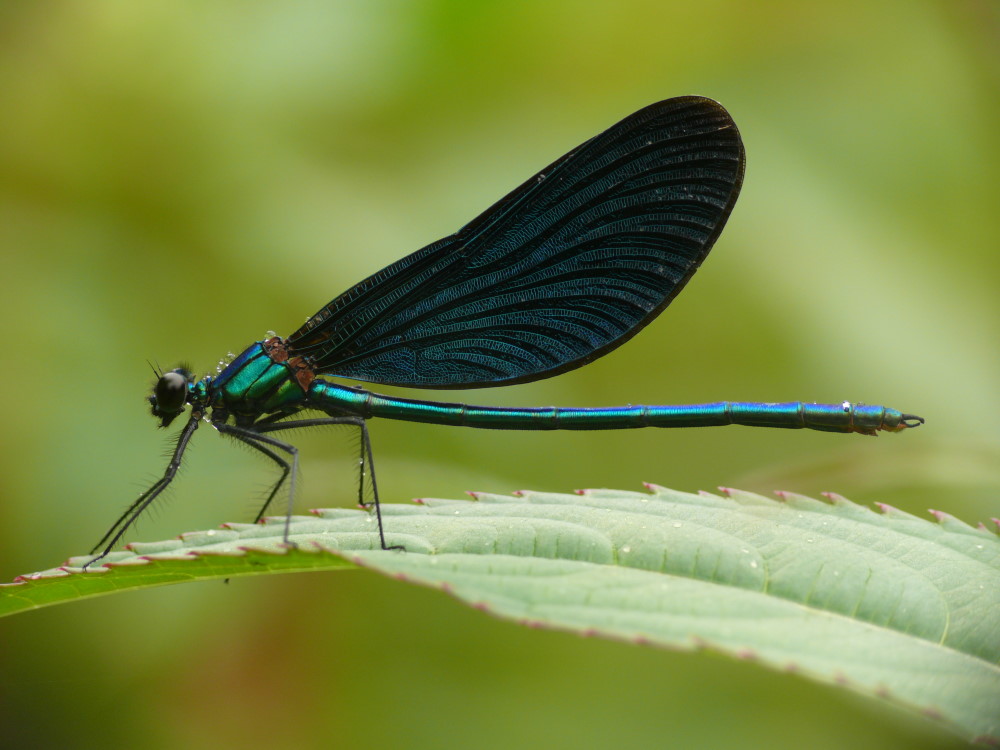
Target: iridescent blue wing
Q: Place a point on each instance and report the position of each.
(568, 266)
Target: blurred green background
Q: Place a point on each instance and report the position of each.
(178, 178)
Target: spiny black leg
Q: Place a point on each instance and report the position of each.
(361, 471)
(272, 418)
(366, 449)
(252, 437)
(137, 508)
(366, 444)
(285, 469)
(293, 424)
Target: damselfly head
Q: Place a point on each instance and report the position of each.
(170, 395)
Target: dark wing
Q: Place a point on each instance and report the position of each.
(568, 266)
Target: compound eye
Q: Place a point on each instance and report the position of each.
(171, 391)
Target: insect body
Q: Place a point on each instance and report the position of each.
(565, 268)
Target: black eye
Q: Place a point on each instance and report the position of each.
(171, 392)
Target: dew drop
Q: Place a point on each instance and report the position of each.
(677, 524)
(626, 549)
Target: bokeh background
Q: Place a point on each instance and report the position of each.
(178, 178)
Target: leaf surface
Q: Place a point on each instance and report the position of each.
(884, 603)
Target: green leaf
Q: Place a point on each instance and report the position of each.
(886, 604)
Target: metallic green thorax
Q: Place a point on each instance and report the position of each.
(254, 384)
